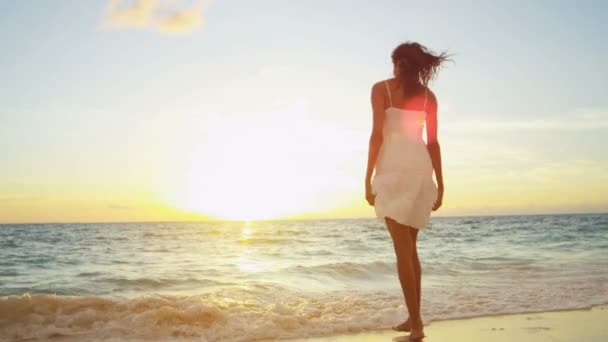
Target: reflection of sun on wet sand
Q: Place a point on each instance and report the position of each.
(577, 325)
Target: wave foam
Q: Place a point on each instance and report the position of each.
(206, 318)
(264, 311)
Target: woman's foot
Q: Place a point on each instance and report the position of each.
(417, 333)
(403, 327)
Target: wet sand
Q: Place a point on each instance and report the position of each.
(577, 325)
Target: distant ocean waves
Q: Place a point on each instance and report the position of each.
(248, 281)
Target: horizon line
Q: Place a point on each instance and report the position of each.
(297, 219)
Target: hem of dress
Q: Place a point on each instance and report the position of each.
(383, 220)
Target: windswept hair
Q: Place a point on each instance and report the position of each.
(417, 65)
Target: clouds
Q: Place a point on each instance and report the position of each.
(115, 206)
(137, 14)
(182, 21)
(580, 119)
(172, 16)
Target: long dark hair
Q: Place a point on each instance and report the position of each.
(417, 66)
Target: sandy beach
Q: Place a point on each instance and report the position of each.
(576, 325)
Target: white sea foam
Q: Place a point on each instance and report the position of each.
(208, 318)
(262, 312)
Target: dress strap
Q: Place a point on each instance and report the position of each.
(390, 99)
(425, 92)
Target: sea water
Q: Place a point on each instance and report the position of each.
(242, 281)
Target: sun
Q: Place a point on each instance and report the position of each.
(250, 170)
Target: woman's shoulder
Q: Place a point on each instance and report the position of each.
(430, 95)
(379, 88)
(381, 83)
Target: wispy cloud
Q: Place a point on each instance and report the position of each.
(119, 207)
(18, 198)
(138, 13)
(182, 21)
(163, 16)
(580, 119)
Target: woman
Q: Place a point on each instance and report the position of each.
(403, 192)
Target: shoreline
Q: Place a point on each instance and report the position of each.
(542, 326)
(587, 325)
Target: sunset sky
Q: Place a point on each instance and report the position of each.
(178, 110)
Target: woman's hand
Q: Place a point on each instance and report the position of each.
(439, 200)
(369, 196)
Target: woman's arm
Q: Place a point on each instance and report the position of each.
(375, 140)
(432, 144)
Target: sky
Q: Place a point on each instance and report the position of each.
(182, 110)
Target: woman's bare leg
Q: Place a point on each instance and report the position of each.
(406, 326)
(417, 268)
(407, 264)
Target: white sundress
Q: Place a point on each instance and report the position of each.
(403, 183)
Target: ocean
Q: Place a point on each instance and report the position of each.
(243, 281)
